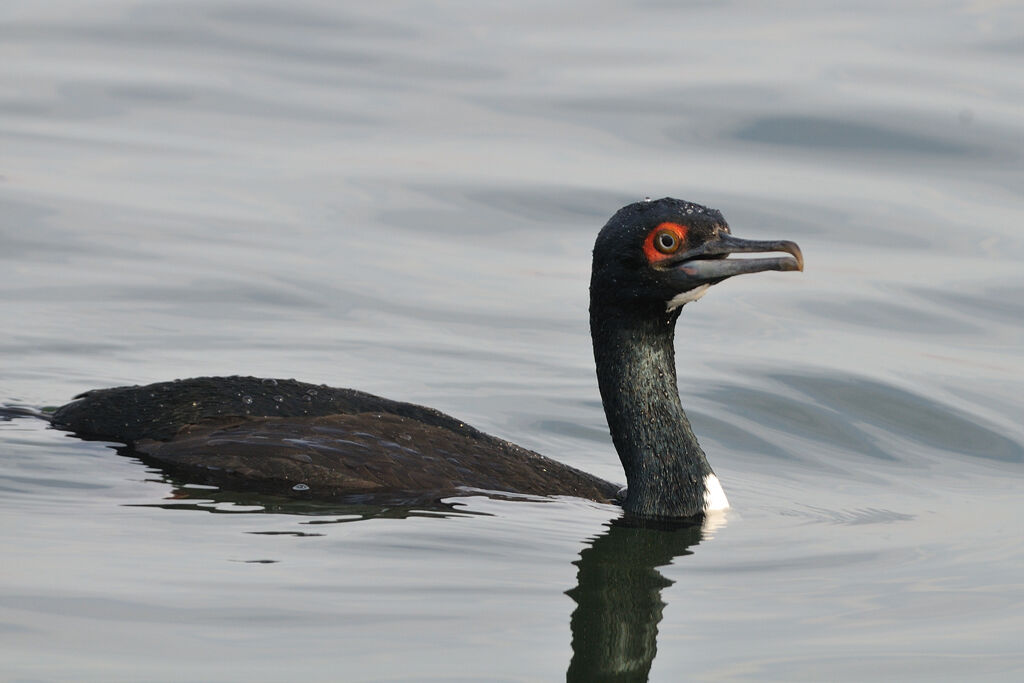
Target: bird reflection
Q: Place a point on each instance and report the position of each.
(619, 588)
(618, 597)
(185, 495)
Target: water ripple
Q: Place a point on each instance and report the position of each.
(907, 415)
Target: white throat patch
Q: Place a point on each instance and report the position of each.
(714, 496)
(686, 297)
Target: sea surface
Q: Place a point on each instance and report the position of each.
(402, 197)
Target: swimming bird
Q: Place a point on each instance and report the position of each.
(283, 436)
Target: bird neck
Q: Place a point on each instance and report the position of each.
(635, 356)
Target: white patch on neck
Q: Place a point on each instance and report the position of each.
(686, 297)
(714, 496)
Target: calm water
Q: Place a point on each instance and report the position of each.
(403, 198)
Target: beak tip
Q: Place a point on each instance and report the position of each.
(794, 249)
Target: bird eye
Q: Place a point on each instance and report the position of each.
(666, 242)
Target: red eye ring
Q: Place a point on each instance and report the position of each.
(664, 241)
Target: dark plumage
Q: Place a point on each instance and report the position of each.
(287, 436)
(275, 434)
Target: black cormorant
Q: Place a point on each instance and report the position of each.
(650, 259)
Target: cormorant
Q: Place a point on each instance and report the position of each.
(650, 259)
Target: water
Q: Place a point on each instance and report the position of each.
(403, 198)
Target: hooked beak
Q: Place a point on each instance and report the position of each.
(709, 263)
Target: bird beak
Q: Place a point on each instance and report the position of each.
(710, 263)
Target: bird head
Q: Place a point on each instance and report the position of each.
(668, 252)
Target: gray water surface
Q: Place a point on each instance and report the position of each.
(403, 198)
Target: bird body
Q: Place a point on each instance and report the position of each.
(285, 436)
(651, 259)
